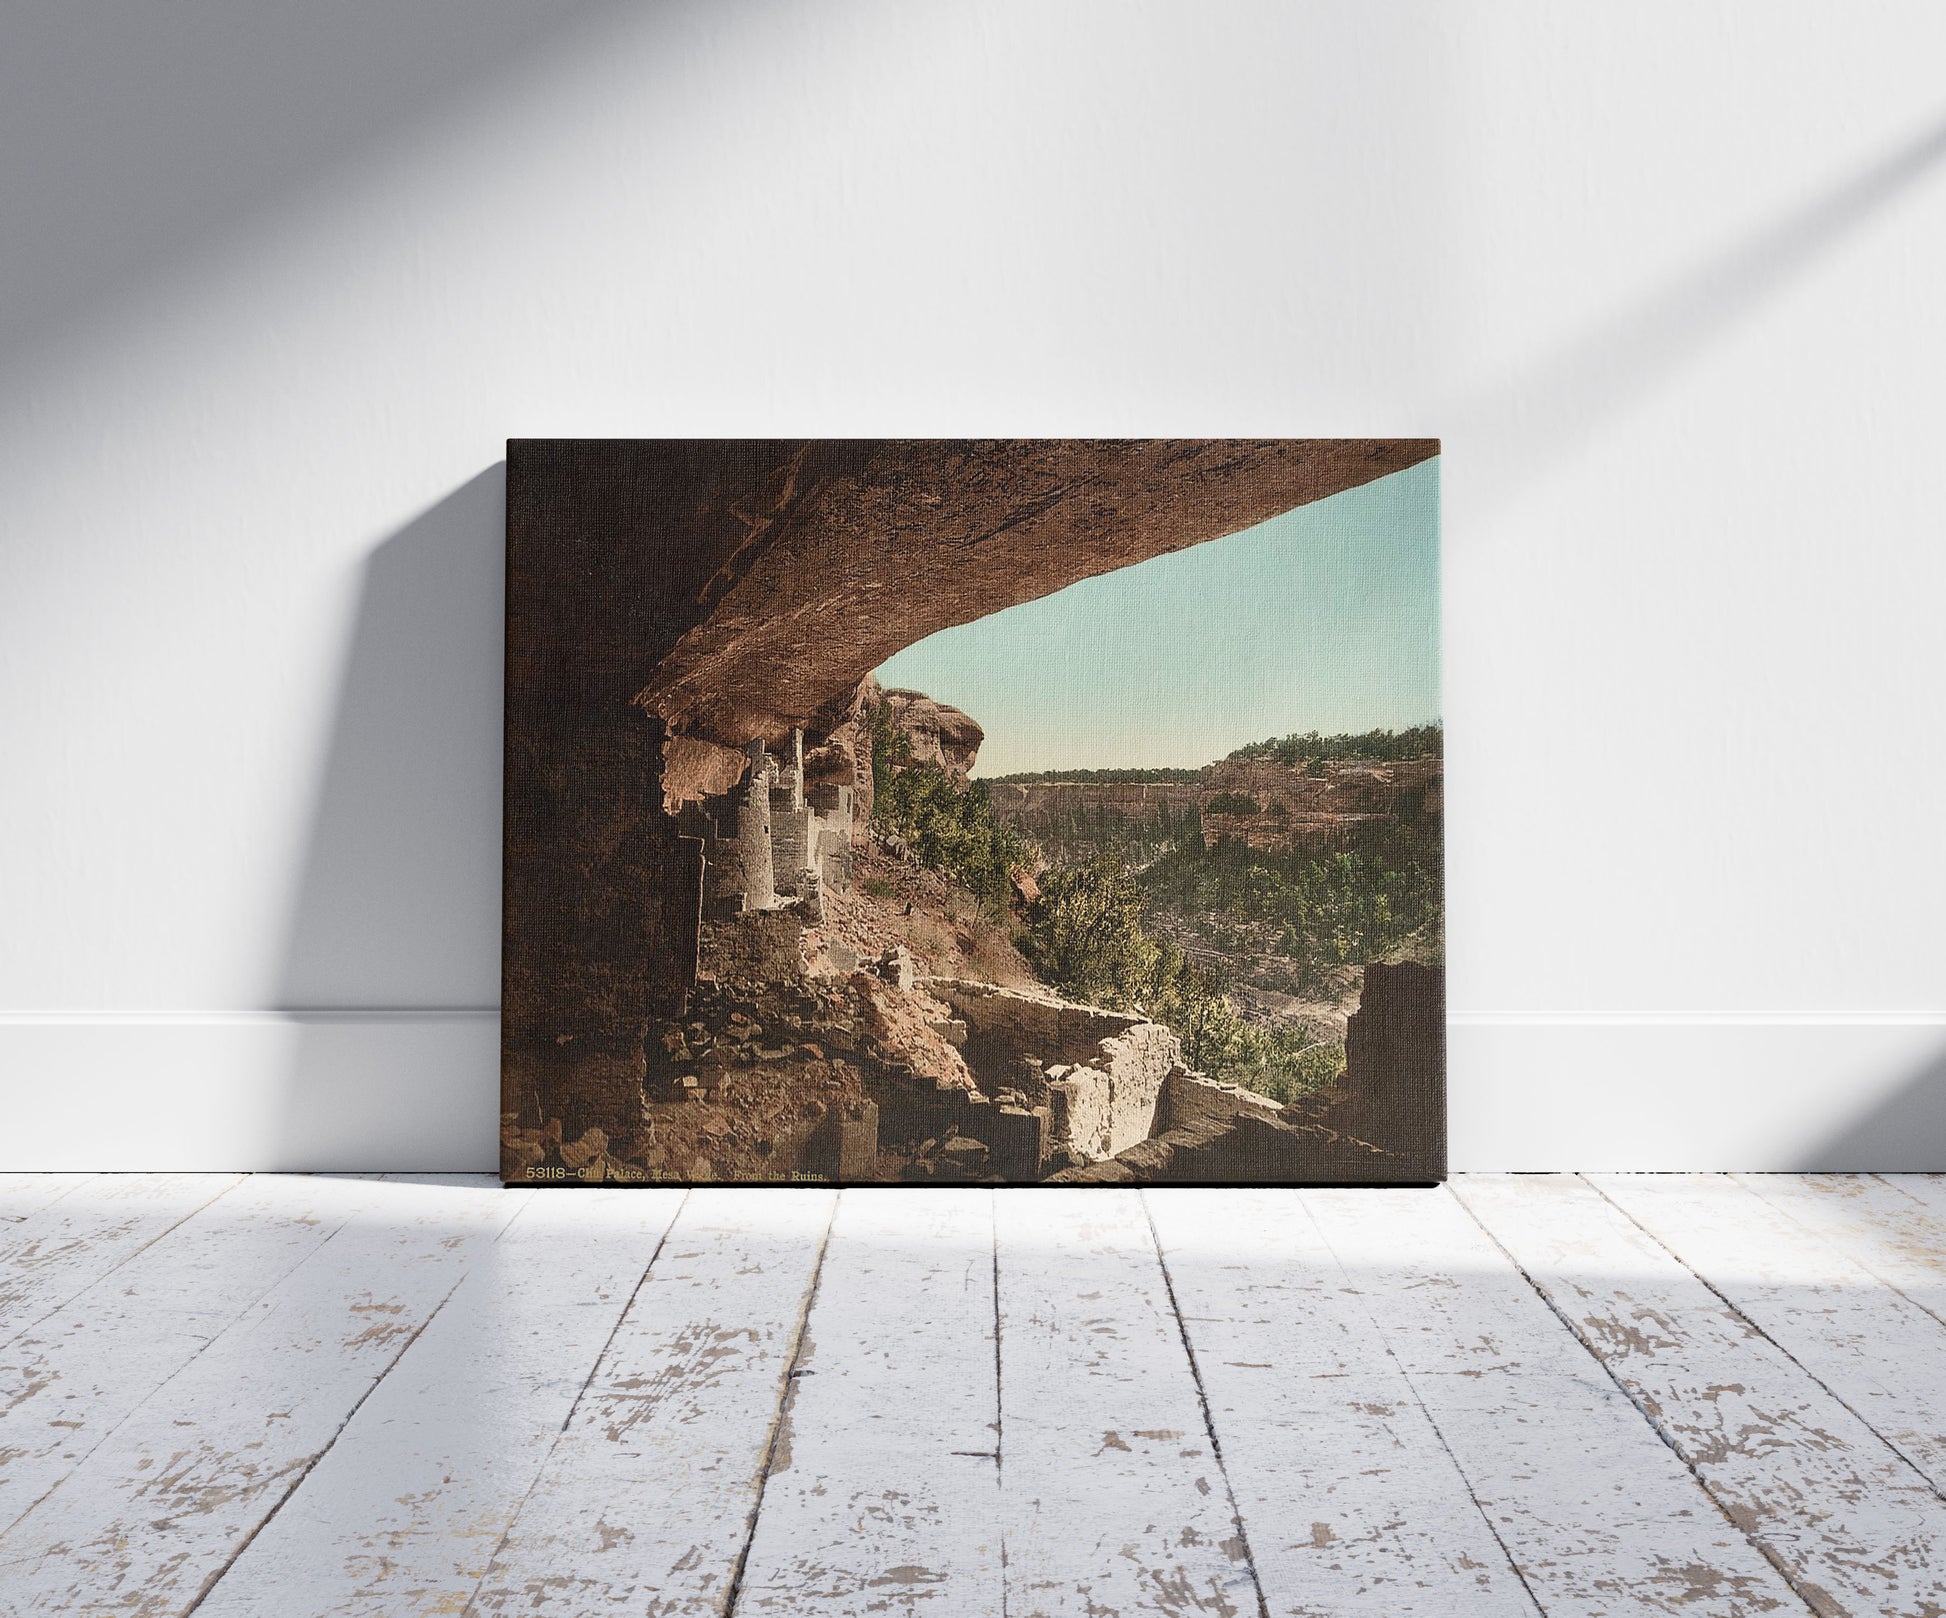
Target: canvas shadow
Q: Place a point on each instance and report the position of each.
(390, 975)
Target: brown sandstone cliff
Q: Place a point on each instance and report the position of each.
(936, 732)
(1057, 812)
(1267, 805)
(1276, 807)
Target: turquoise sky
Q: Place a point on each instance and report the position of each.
(1326, 618)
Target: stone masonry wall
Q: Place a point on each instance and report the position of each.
(1098, 1073)
(766, 840)
(1383, 1122)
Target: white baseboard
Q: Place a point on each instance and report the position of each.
(404, 1090)
(1685, 1092)
(251, 1090)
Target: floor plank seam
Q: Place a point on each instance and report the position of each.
(216, 1575)
(999, 1401)
(1756, 1330)
(1438, 1432)
(1472, 1494)
(1900, 1190)
(1202, 1401)
(780, 1423)
(1661, 1432)
(128, 1258)
(59, 1196)
(540, 1471)
(1925, 1208)
(143, 1403)
(1863, 1261)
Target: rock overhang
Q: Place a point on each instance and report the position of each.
(859, 550)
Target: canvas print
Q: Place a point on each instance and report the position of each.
(973, 812)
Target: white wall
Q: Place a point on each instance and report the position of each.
(280, 281)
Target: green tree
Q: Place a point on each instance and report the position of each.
(891, 751)
(1085, 936)
(946, 825)
(1417, 741)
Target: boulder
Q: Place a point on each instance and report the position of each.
(693, 769)
(936, 733)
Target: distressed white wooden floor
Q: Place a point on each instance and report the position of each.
(1542, 1394)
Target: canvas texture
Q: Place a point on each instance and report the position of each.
(1007, 811)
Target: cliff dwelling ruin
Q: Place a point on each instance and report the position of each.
(718, 969)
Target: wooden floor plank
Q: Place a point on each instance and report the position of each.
(403, 1514)
(70, 1380)
(1893, 1224)
(1854, 1526)
(1874, 1349)
(1350, 1501)
(21, 1194)
(1597, 1513)
(67, 1244)
(885, 1494)
(155, 1513)
(645, 1503)
(1112, 1498)
(311, 1396)
(1929, 1189)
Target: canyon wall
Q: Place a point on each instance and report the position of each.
(1276, 807)
(1055, 812)
(1270, 806)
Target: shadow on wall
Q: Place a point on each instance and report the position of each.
(1550, 409)
(134, 139)
(392, 962)
(1906, 1132)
